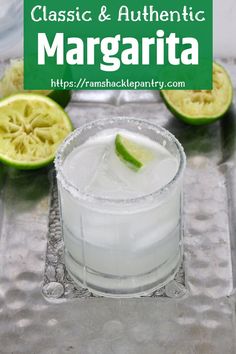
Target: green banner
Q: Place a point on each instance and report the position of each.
(164, 44)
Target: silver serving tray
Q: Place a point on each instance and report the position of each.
(200, 321)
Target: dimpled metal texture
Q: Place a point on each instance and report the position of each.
(199, 319)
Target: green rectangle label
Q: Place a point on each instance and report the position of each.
(119, 45)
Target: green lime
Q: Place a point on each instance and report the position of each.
(132, 153)
(12, 83)
(61, 97)
(31, 129)
(202, 107)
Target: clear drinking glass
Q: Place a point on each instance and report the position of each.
(142, 250)
(11, 28)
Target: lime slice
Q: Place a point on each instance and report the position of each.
(12, 83)
(31, 129)
(202, 107)
(134, 155)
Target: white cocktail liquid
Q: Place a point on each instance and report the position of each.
(125, 248)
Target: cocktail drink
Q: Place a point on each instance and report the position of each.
(120, 187)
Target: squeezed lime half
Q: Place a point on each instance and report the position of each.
(13, 79)
(31, 129)
(202, 107)
(135, 155)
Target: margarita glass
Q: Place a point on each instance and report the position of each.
(122, 229)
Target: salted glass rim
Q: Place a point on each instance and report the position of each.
(87, 197)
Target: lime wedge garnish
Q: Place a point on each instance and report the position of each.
(13, 79)
(202, 107)
(31, 129)
(135, 155)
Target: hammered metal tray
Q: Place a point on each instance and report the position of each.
(200, 321)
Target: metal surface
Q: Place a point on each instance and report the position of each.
(200, 322)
